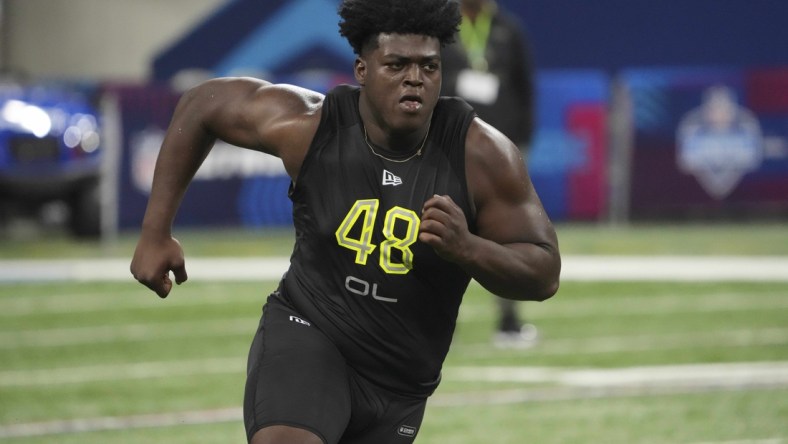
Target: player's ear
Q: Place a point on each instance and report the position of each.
(360, 70)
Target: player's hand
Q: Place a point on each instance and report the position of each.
(153, 260)
(444, 228)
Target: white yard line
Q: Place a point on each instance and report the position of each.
(746, 441)
(634, 343)
(675, 268)
(714, 375)
(85, 425)
(121, 372)
(690, 374)
(575, 268)
(58, 337)
(114, 269)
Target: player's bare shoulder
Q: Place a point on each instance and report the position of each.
(251, 112)
(289, 100)
(493, 162)
(277, 119)
(277, 107)
(292, 117)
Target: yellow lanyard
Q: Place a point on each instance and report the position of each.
(474, 38)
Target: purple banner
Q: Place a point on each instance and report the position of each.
(708, 142)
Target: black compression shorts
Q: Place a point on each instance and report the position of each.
(297, 377)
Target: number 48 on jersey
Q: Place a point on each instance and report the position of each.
(356, 230)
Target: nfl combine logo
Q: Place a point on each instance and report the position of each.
(719, 142)
(390, 179)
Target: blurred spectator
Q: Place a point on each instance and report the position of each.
(490, 66)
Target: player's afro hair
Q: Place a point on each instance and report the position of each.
(363, 20)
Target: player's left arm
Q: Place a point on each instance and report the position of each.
(514, 252)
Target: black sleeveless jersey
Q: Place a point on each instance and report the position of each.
(358, 271)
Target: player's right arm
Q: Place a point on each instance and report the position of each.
(276, 119)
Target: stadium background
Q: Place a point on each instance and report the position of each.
(614, 80)
(676, 297)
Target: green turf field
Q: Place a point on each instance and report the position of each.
(619, 362)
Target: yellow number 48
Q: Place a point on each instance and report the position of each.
(364, 212)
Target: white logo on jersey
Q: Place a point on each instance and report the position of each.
(300, 321)
(390, 179)
(406, 430)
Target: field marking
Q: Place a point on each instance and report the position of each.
(159, 369)
(554, 394)
(58, 337)
(140, 299)
(657, 303)
(573, 384)
(85, 425)
(746, 441)
(688, 375)
(635, 343)
(121, 371)
(117, 269)
(692, 374)
(574, 268)
(628, 305)
(676, 268)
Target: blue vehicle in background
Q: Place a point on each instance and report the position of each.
(50, 151)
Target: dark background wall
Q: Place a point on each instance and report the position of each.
(612, 34)
(599, 34)
(565, 33)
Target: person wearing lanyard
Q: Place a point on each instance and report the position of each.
(490, 66)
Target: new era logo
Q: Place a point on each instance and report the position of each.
(300, 321)
(390, 179)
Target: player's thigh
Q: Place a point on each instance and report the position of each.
(296, 378)
(284, 434)
(382, 417)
